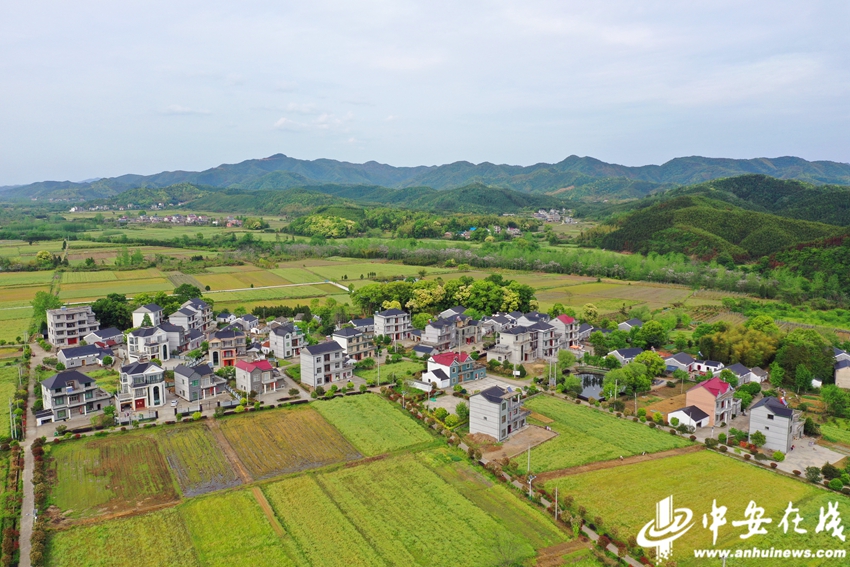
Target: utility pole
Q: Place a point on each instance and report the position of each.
(556, 503)
(528, 469)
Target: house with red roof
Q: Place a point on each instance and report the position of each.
(567, 327)
(716, 398)
(257, 376)
(450, 368)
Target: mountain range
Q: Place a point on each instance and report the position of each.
(574, 178)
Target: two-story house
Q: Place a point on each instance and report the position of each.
(153, 312)
(780, 424)
(497, 412)
(195, 383)
(141, 386)
(257, 376)
(286, 340)
(715, 398)
(680, 361)
(450, 368)
(393, 323)
(225, 346)
(324, 363)
(70, 393)
(366, 325)
(67, 325)
(625, 355)
(356, 344)
(147, 343)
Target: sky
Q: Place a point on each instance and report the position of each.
(102, 88)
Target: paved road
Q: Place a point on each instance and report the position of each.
(28, 505)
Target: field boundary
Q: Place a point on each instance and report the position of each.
(260, 497)
(229, 452)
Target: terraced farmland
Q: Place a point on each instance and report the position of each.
(586, 435)
(279, 442)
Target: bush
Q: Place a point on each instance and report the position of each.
(196, 416)
(723, 448)
(653, 425)
(441, 413)
(641, 412)
(363, 388)
(711, 443)
(830, 472)
(747, 457)
(813, 474)
(797, 473)
(673, 432)
(293, 391)
(773, 465)
(452, 420)
(722, 438)
(778, 456)
(693, 437)
(835, 484)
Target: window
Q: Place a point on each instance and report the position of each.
(770, 416)
(767, 428)
(504, 405)
(61, 414)
(89, 395)
(503, 419)
(59, 400)
(194, 383)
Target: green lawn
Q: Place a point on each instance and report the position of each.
(373, 425)
(587, 435)
(391, 372)
(625, 498)
(106, 378)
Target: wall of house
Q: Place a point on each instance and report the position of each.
(775, 430)
(484, 417)
(704, 400)
(842, 377)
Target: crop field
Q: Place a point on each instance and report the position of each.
(269, 294)
(96, 290)
(161, 538)
(24, 279)
(373, 425)
(109, 474)
(8, 385)
(361, 506)
(610, 295)
(836, 430)
(230, 530)
(12, 326)
(586, 435)
(695, 480)
(382, 270)
(178, 278)
(296, 275)
(279, 442)
(88, 277)
(195, 459)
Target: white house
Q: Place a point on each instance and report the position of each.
(743, 373)
(148, 342)
(67, 325)
(680, 361)
(497, 412)
(107, 336)
(780, 424)
(152, 310)
(568, 328)
(706, 366)
(71, 393)
(691, 416)
(286, 340)
(323, 364)
(83, 355)
(193, 314)
(625, 355)
(630, 324)
(393, 323)
(257, 376)
(141, 386)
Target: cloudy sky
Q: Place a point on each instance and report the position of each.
(102, 88)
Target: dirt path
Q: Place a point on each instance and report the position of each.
(231, 455)
(267, 510)
(553, 556)
(546, 476)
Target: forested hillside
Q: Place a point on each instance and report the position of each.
(698, 226)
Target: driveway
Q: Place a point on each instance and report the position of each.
(807, 453)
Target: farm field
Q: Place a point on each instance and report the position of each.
(110, 474)
(837, 431)
(14, 323)
(586, 435)
(280, 442)
(195, 459)
(695, 480)
(8, 385)
(218, 541)
(373, 425)
(97, 289)
(390, 372)
(106, 378)
(160, 537)
(269, 295)
(359, 505)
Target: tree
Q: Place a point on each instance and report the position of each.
(599, 342)
(185, 292)
(566, 360)
(813, 474)
(802, 378)
(758, 439)
(777, 375)
(60, 366)
(764, 324)
(522, 371)
(680, 374)
(652, 334)
(146, 321)
(114, 311)
(652, 360)
(44, 257)
(107, 360)
(681, 342)
(589, 312)
(729, 377)
(805, 347)
(837, 401)
(44, 301)
(239, 311)
(420, 320)
(745, 397)
(462, 411)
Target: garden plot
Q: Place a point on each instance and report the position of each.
(286, 441)
(586, 435)
(696, 480)
(372, 424)
(108, 475)
(160, 538)
(195, 459)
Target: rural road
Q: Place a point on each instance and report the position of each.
(28, 505)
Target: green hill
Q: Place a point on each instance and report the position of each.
(698, 226)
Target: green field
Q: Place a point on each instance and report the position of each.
(111, 474)
(586, 435)
(161, 538)
(106, 378)
(625, 497)
(12, 325)
(837, 432)
(373, 425)
(390, 372)
(230, 530)
(8, 385)
(269, 294)
(195, 459)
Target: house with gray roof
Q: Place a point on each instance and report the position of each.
(75, 357)
(781, 425)
(625, 355)
(196, 383)
(323, 364)
(71, 393)
(141, 386)
(108, 336)
(393, 323)
(497, 412)
(152, 310)
(630, 324)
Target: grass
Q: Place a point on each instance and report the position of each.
(372, 425)
(160, 538)
(97, 290)
(285, 441)
(110, 474)
(8, 385)
(297, 275)
(23, 279)
(586, 435)
(106, 378)
(195, 459)
(268, 295)
(837, 431)
(14, 327)
(219, 539)
(391, 371)
(695, 480)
